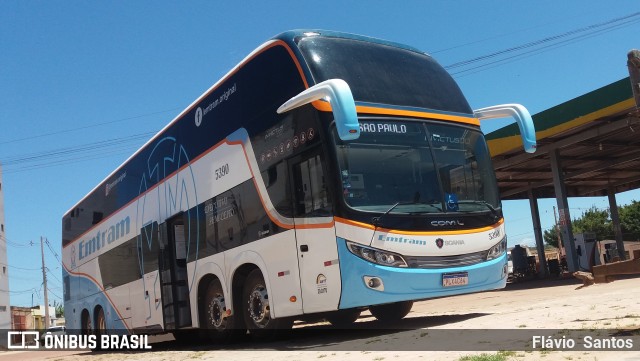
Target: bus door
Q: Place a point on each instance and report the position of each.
(315, 233)
(176, 309)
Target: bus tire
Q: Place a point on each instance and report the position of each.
(391, 312)
(257, 311)
(343, 318)
(219, 328)
(99, 329)
(86, 323)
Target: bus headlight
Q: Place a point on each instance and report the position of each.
(377, 256)
(497, 250)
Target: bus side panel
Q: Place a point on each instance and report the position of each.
(319, 269)
(277, 258)
(115, 317)
(213, 265)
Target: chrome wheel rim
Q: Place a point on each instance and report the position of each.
(258, 306)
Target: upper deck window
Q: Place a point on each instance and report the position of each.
(384, 74)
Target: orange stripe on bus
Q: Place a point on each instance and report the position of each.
(421, 233)
(101, 288)
(326, 107)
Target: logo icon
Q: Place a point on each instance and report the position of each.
(198, 116)
(452, 202)
(439, 242)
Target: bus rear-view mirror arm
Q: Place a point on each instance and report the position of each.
(522, 117)
(338, 94)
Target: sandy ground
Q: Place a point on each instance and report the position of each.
(555, 305)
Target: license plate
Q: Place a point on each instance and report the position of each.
(455, 279)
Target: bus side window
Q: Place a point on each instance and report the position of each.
(276, 179)
(311, 195)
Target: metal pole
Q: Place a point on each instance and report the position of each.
(563, 211)
(44, 281)
(615, 217)
(633, 63)
(537, 231)
(555, 219)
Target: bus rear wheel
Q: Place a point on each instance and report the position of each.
(391, 312)
(101, 323)
(101, 328)
(257, 310)
(219, 326)
(86, 323)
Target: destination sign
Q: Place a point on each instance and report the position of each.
(383, 128)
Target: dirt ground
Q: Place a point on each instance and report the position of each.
(598, 310)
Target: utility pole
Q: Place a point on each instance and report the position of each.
(555, 219)
(44, 281)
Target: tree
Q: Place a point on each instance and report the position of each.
(595, 221)
(551, 236)
(630, 218)
(59, 307)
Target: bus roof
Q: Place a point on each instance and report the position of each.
(293, 36)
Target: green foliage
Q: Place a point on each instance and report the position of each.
(630, 218)
(599, 222)
(595, 221)
(551, 236)
(59, 309)
(484, 357)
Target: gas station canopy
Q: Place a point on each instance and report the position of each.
(596, 136)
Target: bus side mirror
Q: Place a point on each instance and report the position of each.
(522, 117)
(338, 93)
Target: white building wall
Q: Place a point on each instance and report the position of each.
(5, 309)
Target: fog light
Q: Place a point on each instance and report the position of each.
(375, 283)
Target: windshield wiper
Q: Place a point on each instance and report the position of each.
(483, 203)
(376, 220)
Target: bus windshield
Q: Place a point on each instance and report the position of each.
(384, 74)
(416, 167)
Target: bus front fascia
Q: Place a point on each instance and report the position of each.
(339, 96)
(522, 117)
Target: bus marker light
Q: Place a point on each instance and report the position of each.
(330, 263)
(293, 299)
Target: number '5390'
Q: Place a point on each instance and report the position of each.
(222, 171)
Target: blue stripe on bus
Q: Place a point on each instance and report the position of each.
(404, 284)
(88, 296)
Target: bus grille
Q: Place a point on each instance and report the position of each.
(446, 261)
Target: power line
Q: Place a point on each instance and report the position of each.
(74, 154)
(53, 293)
(513, 58)
(594, 29)
(21, 268)
(14, 243)
(46, 241)
(86, 127)
(32, 290)
(53, 275)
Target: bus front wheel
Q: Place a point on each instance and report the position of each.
(391, 312)
(257, 310)
(343, 318)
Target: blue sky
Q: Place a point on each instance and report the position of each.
(84, 84)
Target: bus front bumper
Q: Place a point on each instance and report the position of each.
(407, 284)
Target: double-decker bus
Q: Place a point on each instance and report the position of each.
(325, 174)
